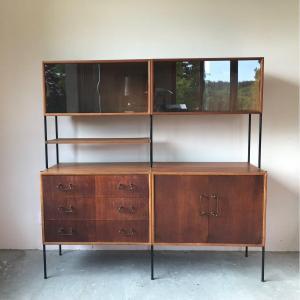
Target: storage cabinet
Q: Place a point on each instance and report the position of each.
(153, 203)
(227, 209)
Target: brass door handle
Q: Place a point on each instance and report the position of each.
(202, 197)
(63, 232)
(66, 210)
(65, 187)
(129, 210)
(216, 212)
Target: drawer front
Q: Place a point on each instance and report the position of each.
(122, 186)
(122, 208)
(69, 231)
(123, 231)
(69, 208)
(68, 186)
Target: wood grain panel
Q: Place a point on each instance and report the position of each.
(122, 231)
(241, 202)
(122, 186)
(122, 208)
(69, 231)
(177, 209)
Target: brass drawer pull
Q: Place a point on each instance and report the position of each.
(66, 210)
(129, 210)
(63, 232)
(127, 187)
(127, 232)
(65, 187)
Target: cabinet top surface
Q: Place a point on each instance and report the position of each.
(184, 168)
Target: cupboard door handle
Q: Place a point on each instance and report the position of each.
(65, 187)
(129, 232)
(216, 212)
(129, 210)
(128, 187)
(66, 210)
(61, 231)
(202, 197)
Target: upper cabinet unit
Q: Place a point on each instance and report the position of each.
(98, 87)
(219, 85)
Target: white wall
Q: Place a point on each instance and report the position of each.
(34, 30)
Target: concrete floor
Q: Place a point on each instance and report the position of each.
(126, 275)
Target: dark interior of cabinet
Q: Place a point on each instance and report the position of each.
(96, 87)
(207, 86)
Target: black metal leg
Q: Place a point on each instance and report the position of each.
(45, 261)
(263, 264)
(152, 266)
(246, 252)
(59, 247)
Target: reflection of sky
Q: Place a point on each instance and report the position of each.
(220, 70)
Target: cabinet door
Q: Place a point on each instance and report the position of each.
(178, 216)
(238, 207)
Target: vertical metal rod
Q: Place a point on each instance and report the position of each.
(59, 248)
(56, 136)
(45, 262)
(249, 138)
(246, 251)
(152, 265)
(151, 144)
(263, 264)
(259, 140)
(46, 144)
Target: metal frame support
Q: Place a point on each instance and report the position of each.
(46, 139)
(263, 264)
(259, 140)
(249, 138)
(59, 250)
(246, 251)
(45, 261)
(152, 263)
(56, 136)
(151, 144)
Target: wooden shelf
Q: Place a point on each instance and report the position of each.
(206, 168)
(100, 141)
(172, 168)
(98, 168)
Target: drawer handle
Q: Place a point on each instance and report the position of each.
(65, 187)
(66, 210)
(127, 232)
(129, 210)
(216, 212)
(127, 187)
(63, 232)
(204, 197)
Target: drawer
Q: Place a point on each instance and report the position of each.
(69, 231)
(122, 231)
(68, 186)
(69, 208)
(122, 186)
(122, 208)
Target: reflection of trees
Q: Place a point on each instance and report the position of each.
(55, 87)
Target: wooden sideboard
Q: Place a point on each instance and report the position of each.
(153, 203)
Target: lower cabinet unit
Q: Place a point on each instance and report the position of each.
(168, 204)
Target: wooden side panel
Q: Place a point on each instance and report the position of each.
(240, 209)
(177, 209)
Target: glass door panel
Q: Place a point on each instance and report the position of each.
(96, 87)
